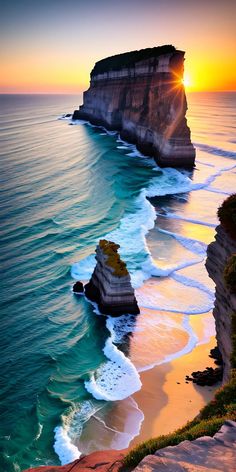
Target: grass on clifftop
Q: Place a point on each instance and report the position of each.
(110, 249)
(227, 215)
(207, 423)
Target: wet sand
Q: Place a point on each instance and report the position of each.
(166, 400)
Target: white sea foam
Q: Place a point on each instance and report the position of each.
(191, 302)
(193, 283)
(134, 227)
(63, 447)
(175, 216)
(83, 270)
(193, 245)
(122, 147)
(71, 429)
(116, 379)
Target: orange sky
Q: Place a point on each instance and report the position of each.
(51, 46)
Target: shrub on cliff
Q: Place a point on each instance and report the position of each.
(227, 215)
(113, 258)
(230, 273)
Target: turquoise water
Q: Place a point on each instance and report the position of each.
(62, 188)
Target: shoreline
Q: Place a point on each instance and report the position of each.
(177, 401)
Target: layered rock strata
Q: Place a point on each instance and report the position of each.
(141, 94)
(218, 254)
(110, 285)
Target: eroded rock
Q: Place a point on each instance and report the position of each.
(110, 285)
(141, 94)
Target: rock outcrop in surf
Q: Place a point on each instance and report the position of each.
(141, 94)
(110, 285)
(221, 266)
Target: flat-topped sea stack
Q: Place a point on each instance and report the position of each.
(110, 285)
(141, 95)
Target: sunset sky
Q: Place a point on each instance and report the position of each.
(50, 46)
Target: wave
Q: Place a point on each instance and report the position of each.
(194, 283)
(216, 150)
(174, 216)
(193, 245)
(117, 378)
(71, 429)
(63, 447)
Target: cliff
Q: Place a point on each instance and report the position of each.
(141, 95)
(205, 454)
(218, 254)
(221, 267)
(110, 285)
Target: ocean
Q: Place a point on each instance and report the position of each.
(68, 373)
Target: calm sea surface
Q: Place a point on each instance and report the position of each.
(67, 374)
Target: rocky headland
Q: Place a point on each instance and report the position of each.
(221, 266)
(110, 285)
(141, 95)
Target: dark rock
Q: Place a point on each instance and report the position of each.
(78, 287)
(216, 355)
(207, 377)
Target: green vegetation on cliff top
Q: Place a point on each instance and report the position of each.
(110, 249)
(227, 215)
(128, 59)
(207, 423)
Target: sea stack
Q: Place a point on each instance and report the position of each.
(141, 95)
(110, 285)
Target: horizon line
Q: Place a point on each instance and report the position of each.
(75, 93)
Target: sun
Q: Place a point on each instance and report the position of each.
(186, 81)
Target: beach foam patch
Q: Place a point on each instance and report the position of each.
(68, 433)
(116, 379)
(171, 295)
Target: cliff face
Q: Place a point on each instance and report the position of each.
(205, 454)
(145, 100)
(110, 285)
(218, 254)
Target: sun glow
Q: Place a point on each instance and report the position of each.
(186, 81)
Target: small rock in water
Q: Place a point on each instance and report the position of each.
(78, 287)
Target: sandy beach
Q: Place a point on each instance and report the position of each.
(166, 400)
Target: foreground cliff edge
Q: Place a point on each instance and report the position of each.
(141, 95)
